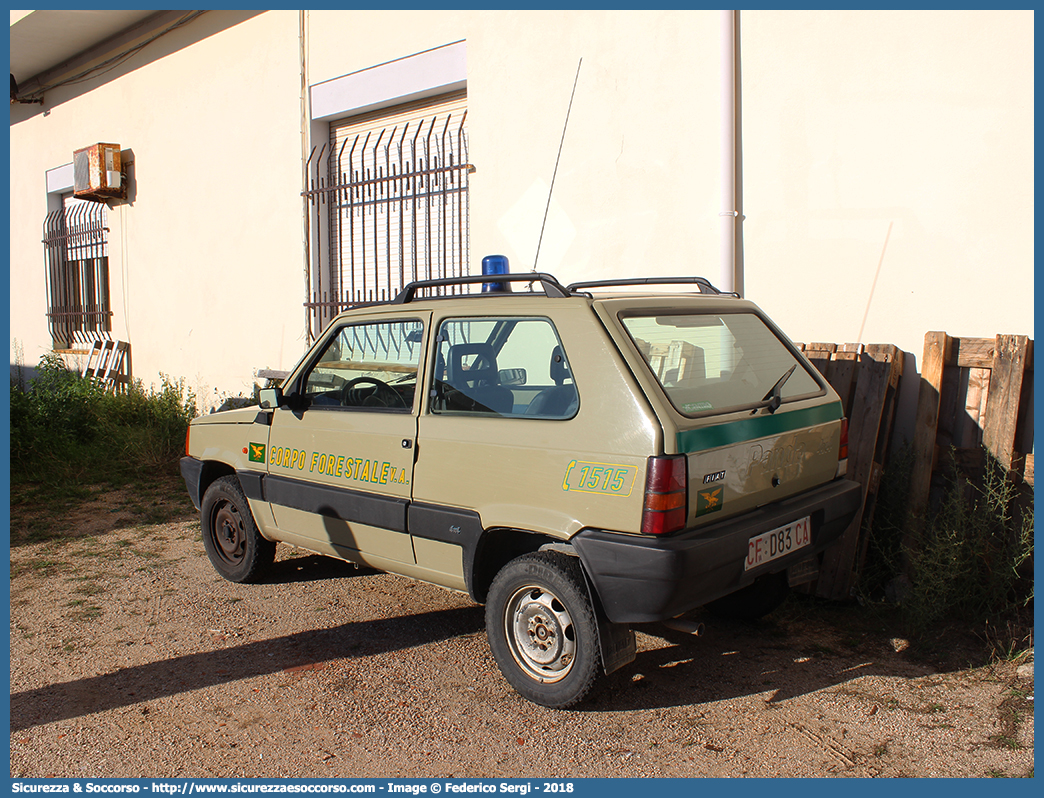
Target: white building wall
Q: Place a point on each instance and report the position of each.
(898, 139)
(214, 229)
(858, 127)
(637, 186)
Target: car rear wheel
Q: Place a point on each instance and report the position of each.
(542, 629)
(233, 543)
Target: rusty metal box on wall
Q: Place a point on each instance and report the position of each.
(97, 173)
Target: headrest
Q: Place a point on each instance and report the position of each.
(481, 371)
(559, 366)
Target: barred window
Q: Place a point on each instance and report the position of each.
(395, 196)
(76, 253)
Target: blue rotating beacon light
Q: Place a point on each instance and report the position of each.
(491, 265)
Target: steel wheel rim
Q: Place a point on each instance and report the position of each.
(540, 634)
(228, 534)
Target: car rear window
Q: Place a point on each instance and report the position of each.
(710, 363)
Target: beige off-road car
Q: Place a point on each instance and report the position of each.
(576, 461)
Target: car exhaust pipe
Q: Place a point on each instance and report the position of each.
(694, 628)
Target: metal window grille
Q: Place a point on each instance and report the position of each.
(77, 261)
(395, 198)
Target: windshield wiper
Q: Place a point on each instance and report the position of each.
(774, 398)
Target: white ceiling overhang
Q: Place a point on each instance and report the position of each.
(44, 44)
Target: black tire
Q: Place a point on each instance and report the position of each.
(235, 546)
(542, 629)
(755, 600)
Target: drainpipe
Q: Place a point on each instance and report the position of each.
(307, 152)
(302, 44)
(729, 278)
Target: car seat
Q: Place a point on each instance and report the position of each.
(560, 401)
(478, 383)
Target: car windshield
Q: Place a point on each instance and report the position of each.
(711, 363)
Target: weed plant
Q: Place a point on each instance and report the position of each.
(68, 432)
(969, 562)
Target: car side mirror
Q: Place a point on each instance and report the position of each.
(512, 376)
(270, 398)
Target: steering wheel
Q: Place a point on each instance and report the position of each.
(383, 395)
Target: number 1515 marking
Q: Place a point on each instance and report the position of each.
(610, 478)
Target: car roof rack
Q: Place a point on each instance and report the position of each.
(552, 288)
(704, 284)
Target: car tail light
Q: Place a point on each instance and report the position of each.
(187, 431)
(842, 450)
(666, 495)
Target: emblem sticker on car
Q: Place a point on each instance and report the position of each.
(257, 453)
(709, 501)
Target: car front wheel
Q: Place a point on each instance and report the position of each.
(233, 543)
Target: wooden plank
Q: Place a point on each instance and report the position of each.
(961, 421)
(937, 350)
(1002, 406)
(949, 401)
(968, 459)
(819, 355)
(974, 353)
(114, 369)
(842, 375)
(90, 367)
(894, 356)
(837, 366)
(863, 427)
(1024, 432)
(821, 360)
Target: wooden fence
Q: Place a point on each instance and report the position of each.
(867, 380)
(976, 397)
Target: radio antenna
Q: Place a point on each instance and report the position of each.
(557, 159)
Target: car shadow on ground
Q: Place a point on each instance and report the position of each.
(203, 669)
(313, 568)
(734, 659)
(778, 659)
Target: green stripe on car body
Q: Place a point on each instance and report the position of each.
(699, 440)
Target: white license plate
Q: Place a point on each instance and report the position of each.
(777, 542)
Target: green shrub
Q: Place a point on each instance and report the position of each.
(66, 429)
(967, 562)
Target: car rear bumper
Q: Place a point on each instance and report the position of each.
(645, 579)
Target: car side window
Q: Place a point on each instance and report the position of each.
(371, 366)
(513, 367)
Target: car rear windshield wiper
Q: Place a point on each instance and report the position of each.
(774, 398)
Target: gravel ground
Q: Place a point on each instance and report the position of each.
(130, 657)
